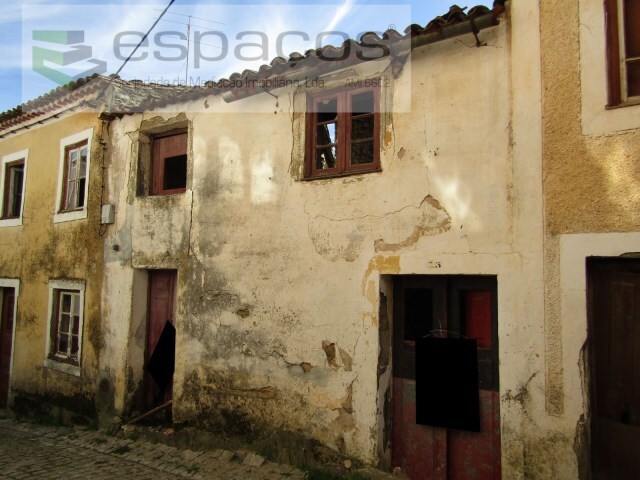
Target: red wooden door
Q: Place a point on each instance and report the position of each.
(6, 340)
(162, 293)
(445, 306)
(614, 292)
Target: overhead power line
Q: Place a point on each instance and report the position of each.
(145, 37)
(191, 16)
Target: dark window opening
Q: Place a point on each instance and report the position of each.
(175, 172)
(13, 188)
(169, 163)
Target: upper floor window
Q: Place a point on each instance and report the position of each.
(343, 130)
(12, 185)
(169, 163)
(73, 178)
(623, 50)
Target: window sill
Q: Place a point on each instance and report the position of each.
(70, 216)
(627, 103)
(164, 193)
(11, 222)
(63, 367)
(340, 175)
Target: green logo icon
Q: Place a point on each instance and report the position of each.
(74, 53)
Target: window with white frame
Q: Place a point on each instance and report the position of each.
(622, 18)
(12, 185)
(66, 307)
(75, 177)
(73, 182)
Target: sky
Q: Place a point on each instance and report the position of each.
(219, 38)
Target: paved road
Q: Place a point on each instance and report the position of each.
(29, 451)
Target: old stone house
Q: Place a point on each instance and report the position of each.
(285, 238)
(51, 264)
(286, 242)
(51, 231)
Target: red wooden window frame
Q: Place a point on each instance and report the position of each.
(159, 157)
(344, 133)
(68, 355)
(8, 190)
(621, 88)
(75, 204)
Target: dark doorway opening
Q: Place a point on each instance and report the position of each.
(613, 297)
(160, 345)
(7, 321)
(448, 306)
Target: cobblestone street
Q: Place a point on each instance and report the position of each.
(33, 451)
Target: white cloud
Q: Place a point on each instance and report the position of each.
(342, 12)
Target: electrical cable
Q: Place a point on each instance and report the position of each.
(144, 38)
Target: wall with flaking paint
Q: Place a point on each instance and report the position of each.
(279, 278)
(40, 250)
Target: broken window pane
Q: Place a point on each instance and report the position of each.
(66, 303)
(63, 343)
(83, 162)
(175, 172)
(327, 110)
(64, 323)
(327, 134)
(326, 158)
(362, 128)
(362, 152)
(74, 345)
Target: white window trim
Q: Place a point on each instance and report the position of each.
(596, 118)
(574, 250)
(48, 360)
(15, 284)
(80, 213)
(21, 155)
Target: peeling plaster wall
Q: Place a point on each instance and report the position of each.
(591, 183)
(40, 250)
(279, 278)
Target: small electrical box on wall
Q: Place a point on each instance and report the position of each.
(108, 214)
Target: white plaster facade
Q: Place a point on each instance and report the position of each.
(270, 265)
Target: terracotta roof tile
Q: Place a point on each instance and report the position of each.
(134, 96)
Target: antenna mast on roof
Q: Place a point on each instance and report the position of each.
(186, 75)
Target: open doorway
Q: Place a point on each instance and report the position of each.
(7, 325)
(614, 345)
(451, 306)
(159, 357)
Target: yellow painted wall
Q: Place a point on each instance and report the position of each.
(591, 185)
(40, 250)
(591, 181)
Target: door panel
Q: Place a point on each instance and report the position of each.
(6, 339)
(614, 308)
(445, 306)
(162, 293)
